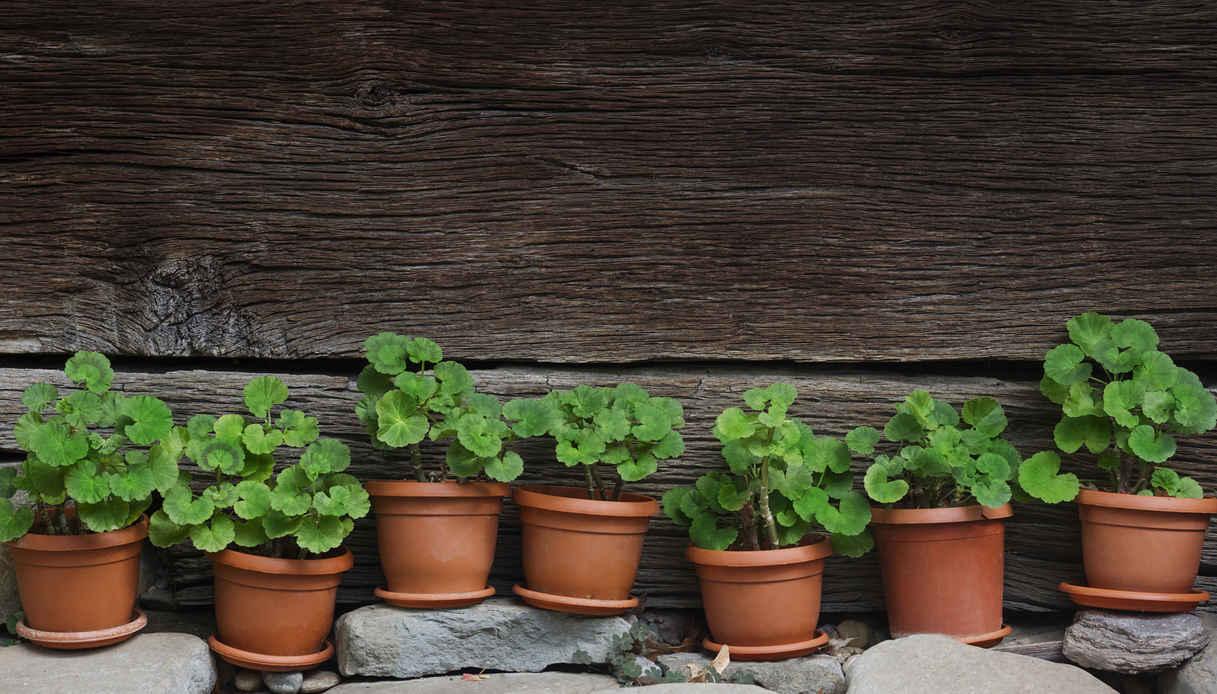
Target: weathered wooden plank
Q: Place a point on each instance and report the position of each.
(1043, 546)
(836, 183)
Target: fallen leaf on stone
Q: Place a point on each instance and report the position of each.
(474, 678)
(722, 660)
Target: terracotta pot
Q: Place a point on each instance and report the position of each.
(436, 540)
(79, 583)
(581, 549)
(1142, 543)
(943, 570)
(276, 607)
(761, 599)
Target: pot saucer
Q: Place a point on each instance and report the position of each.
(433, 600)
(565, 603)
(1131, 600)
(779, 652)
(78, 640)
(270, 663)
(986, 640)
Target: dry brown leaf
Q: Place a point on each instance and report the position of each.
(722, 660)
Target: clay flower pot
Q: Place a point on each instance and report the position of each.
(1142, 543)
(943, 570)
(82, 588)
(580, 554)
(275, 614)
(764, 605)
(436, 540)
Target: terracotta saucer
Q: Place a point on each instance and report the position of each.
(566, 603)
(780, 652)
(78, 640)
(986, 640)
(270, 663)
(433, 600)
(1131, 600)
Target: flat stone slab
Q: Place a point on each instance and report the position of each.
(1132, 644)
(501, 634)
(686, 688)
(1198, 675)
(815, 673)
(511, 683)
(146, 664)
(933, 664)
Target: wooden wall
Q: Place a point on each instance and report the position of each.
(861, 198)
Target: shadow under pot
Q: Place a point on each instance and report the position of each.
(275, 614)
(581, 555)
(436, 540)
(1141, 553)
(79, 591)
(765, 604)
(943, 570)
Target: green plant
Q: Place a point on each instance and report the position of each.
(622, 428)
(1124, 401)
(94, 457)
(781, 484)
(307, 510)
(943, 458)
(412, 394)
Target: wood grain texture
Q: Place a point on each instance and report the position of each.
(1043, 544)
(621, 182)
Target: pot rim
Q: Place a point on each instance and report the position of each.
(294, 567)
(543, 496)
(813, 551)
(1134, 502)
(132, 534)
(446, 489)
(934, 516)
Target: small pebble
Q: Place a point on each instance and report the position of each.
(283, 682)
(318, 681)
(247, 681)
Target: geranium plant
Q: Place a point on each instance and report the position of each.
(1124, 401)
(94, 456)
(412, 394)
(942, 457)
(618, 434)
(307, 509)
(782, 482)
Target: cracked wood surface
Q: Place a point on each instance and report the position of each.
(1042, 541)
(835, 182)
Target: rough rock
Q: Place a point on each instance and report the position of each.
(514, 683)
(1039, 639)
(1198, 675)
(385, 641)
(283, 682)
(686, 688)
(161, 663)
(319, 681)
(1133, 643)
(820, 674)
(247, 681)
(932, 664)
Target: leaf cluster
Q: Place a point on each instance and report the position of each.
(309, 506)
(1124, 401)
(943, 457)
(96, 449)
(411, 394)
(623, 426)
(782, 482)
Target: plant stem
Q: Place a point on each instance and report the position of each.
(416, 456)
(599, 482)
(771, 528)
(591, 484)
(617, 489)
(748, 520)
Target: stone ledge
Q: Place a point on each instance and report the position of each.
(499, 634)
(147, 664)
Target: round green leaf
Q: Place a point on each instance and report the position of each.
(506, 468)
(423, 351)
(86, 484)
(253, 499)
(1072, 432)
(151, 419)
(400, 422)
(104, 516)
(299, 429)
(37, 396)
(15, 521)
(733, 424)
(1090, 331)
(386, 352)
(852, 546)
(55, 444)
(1151, 445)
(862, 440)
(92, 369)
(183, 509)
(163, 532)
(903, 427)
(223, 456)
(263, 393)
(1064, 364)
(880, 488)
(320, 534)
(1039, 476)
(453, 377)
(230, 428)
(214, 536)
(261, 441)
(705, 533)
